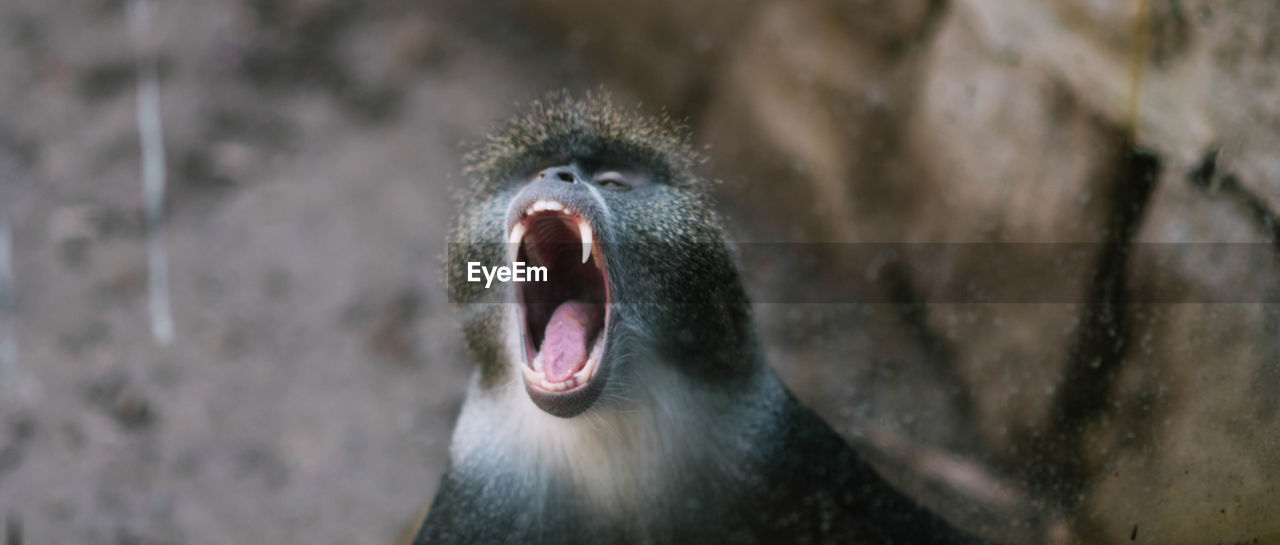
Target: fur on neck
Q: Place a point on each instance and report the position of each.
(652, 432)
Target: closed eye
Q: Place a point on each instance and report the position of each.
(613, 180)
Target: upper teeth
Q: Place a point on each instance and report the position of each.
(544, 204)
(517, 231)
(584, 231)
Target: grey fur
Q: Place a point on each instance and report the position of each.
(693, 439)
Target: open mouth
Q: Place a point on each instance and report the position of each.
(565, 317)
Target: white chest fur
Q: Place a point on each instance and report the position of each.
(628, 450)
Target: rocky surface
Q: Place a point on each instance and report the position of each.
(1137, 410)
(313, 144)
(310, 391)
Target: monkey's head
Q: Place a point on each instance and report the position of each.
(637, 272)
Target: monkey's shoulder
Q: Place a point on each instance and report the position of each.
(822, 491)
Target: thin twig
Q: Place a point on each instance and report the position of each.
(151, 136)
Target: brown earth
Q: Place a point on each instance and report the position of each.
(313, 145)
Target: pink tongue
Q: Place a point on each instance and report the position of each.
(564, 346)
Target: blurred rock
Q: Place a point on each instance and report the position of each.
(417, 42)
(802, 122)
(389, 333)
(84, 336)
(132, 411)
(1191, 450)
(72, 228)
(122, 278)
(668, 50)
(991, 121)
(1009, 156)
(121, 400)
(1207, 76)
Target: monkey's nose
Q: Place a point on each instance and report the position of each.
(567, 174)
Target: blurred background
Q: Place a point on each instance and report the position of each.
(312, 146)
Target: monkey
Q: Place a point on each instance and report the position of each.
(627, 399)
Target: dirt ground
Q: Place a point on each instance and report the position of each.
(312, 150)
(311, 387)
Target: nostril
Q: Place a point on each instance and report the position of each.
(566, 174)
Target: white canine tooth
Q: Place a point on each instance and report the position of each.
(584, 232)
(513, 241)
(535, 376)
(517, 233)
(537, 363)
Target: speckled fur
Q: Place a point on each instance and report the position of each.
(693, 439)
(561, 127)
